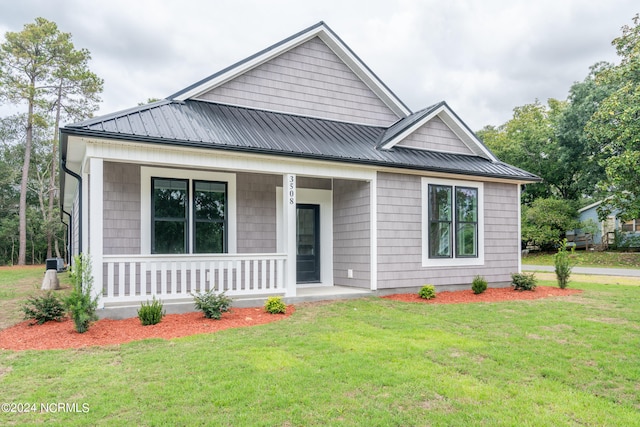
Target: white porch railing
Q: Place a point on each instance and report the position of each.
(128, 278)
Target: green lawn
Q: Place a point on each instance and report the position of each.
(589, 259)
(16, 285)
(374, 362)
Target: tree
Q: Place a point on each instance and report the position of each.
(39, 67)
(528, 141)
(546, 221)
(75, 97)
(615, 126)
(580, 155)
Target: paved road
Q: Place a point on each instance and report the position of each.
(587, 270)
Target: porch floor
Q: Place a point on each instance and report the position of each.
(303, 294)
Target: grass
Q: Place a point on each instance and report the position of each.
(375, 362)
(589, 259)
(16, 285)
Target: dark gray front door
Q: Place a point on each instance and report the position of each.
(308, 243)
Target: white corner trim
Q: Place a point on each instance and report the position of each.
(451, 262)
(146, 173)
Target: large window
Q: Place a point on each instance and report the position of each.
(452, 233)
(188, 216)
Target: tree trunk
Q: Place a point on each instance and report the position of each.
(54, 169)
(22, 208)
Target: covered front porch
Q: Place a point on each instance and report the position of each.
(264, 247)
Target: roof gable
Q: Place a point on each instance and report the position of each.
(324, 34)
(406, 131)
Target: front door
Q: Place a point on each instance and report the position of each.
(308, 243)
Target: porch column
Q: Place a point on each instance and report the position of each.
(289, 232)
(95, 218)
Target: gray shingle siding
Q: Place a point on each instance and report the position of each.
(256, 206)
(351, 233)
(308, 80)
(121, 209)
(400, 241)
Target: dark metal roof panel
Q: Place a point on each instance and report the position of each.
(222, 126)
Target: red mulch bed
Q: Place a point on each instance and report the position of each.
(59, 335)
(490, 295)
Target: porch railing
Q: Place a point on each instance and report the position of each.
(173, 277)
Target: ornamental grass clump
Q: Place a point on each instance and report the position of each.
(524, 281)
(151, 312)
(275, 305)
(427, 292)
(212, 304)
(479, 285)
(563, 265)
(43, 308)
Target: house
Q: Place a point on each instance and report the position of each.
(296, 167)
(606, 228)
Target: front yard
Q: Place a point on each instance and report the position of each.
(583, 258)
(376, 362)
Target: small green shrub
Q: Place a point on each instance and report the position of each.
(524, 281)
(80, 303)
(43, 308)
(275, 305)
(479, 285)
(212, 304)
(150, 312)
(427, 292)
(563, 265)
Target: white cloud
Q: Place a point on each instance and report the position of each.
(483, 58)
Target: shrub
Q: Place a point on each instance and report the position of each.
(562, 264)
(43, 308)
(479, 285)
(150, 313)
(80, 303)
(275, 305)
(212, 304)
(524, 281)
(427, 292)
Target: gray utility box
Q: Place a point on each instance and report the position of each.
(55, 264)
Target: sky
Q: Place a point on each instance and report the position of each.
(483, 57)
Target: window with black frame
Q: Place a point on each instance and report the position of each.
(453, 221)
(186, 221)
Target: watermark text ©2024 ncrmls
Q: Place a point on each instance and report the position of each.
(44, 407)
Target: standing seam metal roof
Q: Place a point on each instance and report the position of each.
(218, 126)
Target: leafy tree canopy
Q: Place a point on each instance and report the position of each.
(615, 127)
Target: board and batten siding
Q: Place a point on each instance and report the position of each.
(351, 233)
(121, 201)
(256, 210)
(399, 218)
(435, 135)
(307, 80)
(75, 229)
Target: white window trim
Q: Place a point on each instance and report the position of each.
(451, 262)
(146, 173)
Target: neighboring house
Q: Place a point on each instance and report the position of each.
(294, 167)
(606, 228)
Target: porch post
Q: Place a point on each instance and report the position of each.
(95, 217)
(289, 232)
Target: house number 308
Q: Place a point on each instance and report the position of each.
(292, 190)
